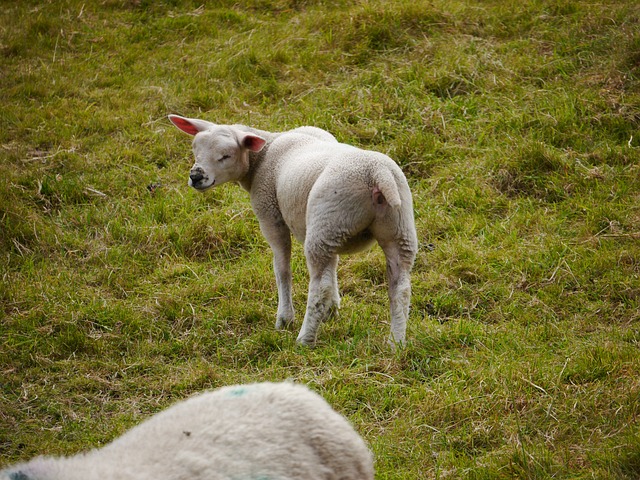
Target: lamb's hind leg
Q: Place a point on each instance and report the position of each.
(338, 210)
(399, 263)
(323, 297)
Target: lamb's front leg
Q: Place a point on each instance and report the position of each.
(279, 239)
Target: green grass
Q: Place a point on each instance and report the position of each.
(519, 130)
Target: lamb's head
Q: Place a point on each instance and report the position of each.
(221, 152)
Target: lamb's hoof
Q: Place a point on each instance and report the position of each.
(306, 340)
(336, 302)
(334, 313)
(395, 344)
(282, 323)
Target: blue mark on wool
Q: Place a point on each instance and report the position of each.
(238, 392)
(18, 476)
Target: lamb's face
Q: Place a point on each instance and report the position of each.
(219, 159)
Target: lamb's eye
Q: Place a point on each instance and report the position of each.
(224, 157)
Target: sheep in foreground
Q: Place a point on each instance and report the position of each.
(334, 198)
(262, 431)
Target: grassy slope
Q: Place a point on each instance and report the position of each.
(518, 131)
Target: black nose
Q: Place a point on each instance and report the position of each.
(196, 176)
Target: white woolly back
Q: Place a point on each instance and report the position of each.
(265, 430)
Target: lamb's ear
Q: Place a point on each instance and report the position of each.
(190, 125)
(253, 142)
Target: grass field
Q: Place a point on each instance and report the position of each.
(124, 291)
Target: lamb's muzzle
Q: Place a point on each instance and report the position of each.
(196, 176)
(334, 198)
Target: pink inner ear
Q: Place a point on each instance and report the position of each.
(183, 124)
(253, 143)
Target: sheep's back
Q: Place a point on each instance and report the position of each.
(279, 431)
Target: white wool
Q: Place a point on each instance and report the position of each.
(332, 197)
(262, 431)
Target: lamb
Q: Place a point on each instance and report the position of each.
(260, 431)
(334, 198)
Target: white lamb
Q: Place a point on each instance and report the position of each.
(262, 431)
(334, 198)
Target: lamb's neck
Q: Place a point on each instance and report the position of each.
(256, 158)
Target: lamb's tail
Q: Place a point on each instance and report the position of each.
(385, 189)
